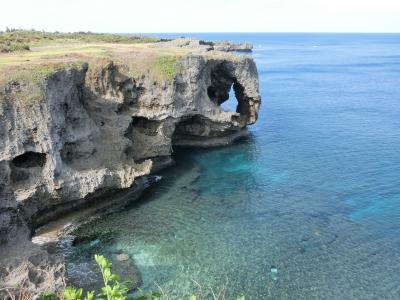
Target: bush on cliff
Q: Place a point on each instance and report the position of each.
(167, 66)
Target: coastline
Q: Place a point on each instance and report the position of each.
(61, 163)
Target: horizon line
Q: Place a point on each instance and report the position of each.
(215, 32)
(261, 32)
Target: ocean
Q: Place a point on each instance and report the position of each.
(306, 207)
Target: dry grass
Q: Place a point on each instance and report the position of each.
(23, 40)
(16, 294)
(157, 63)
(138, 59)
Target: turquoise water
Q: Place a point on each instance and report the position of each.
(307, 207)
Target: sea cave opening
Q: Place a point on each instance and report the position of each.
(226, 92)
(29, 159)
(27, 166)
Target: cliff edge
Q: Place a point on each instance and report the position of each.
(78, 120)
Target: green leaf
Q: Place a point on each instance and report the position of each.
(71, 293)
(114, 277)
(89, 295)
(193, 297)
(48, 296)
(102, 261)
(107, 274)
(97, 258)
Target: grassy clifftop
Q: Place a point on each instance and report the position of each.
(30, 56)
(34, 54)
(23, 40)
(24, 52)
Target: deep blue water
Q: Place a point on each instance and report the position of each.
(313, 193)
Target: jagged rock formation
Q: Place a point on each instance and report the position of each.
(225, 46)
(91, 129)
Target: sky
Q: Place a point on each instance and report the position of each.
(144, 16)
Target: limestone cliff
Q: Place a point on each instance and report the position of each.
(90, 128)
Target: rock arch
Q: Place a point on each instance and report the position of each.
(225, 76)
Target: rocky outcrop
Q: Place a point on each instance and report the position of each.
(228, 47)
(197, 44)
(88, 130)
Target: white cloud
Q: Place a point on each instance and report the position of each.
(203, 15)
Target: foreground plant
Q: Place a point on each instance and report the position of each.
(71, 293)
(113, 289)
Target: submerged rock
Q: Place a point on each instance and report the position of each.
(274, 273)
(88, 276)
(122, 257)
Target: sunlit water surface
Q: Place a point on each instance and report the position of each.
(308, 207)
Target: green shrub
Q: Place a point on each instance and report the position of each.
(13, 47)
(48, 296)
(167, 66)
(112, 288)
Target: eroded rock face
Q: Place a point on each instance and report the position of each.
(95, 129)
